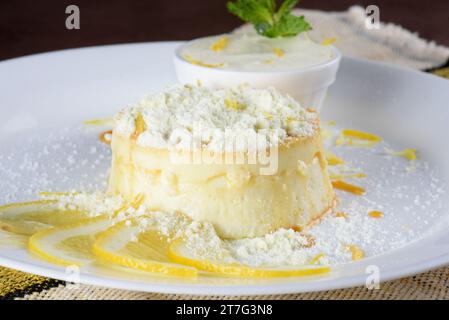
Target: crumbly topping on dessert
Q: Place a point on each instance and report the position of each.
(283, 247)
(192, 117)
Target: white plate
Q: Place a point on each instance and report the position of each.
(44, 98)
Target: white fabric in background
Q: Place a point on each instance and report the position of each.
(390, 43)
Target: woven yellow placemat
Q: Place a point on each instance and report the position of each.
(16, 284)
(430, 285)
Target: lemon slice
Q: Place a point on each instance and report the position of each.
(27, 218)
(341, 185)
(183, 254)
(127, 245)
(69, 244)
(8, 239)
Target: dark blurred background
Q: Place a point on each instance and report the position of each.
(28, 26)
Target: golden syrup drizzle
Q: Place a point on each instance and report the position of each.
(341, 185)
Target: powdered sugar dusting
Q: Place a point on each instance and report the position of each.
(68, 159)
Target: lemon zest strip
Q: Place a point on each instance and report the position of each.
(328, 41)
(140, 126)
(356, 252)
(98, 122)
(278, 52)
(220, 44)
(341, 185)
(409, 154)
(333, 160)
(361, 135)
(202, 64)
(352, 138)
(316, 258)
(341, 176)
(376, 214)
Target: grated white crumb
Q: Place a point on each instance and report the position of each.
(193, 117)
(283, 247)
(94, 204)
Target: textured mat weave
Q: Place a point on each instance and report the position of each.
(430, 285)
(389, 43)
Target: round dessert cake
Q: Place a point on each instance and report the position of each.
(250, 161)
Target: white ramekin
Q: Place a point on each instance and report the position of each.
(307, 85)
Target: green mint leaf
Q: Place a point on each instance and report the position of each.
(252, 11)
(286, 8)
(270, 5)
(288, 26)
(266, 20)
